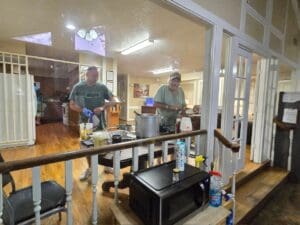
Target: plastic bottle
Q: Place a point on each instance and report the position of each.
(180, 155)
(215, 189)
(229, 218)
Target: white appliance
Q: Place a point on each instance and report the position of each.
(17, 110)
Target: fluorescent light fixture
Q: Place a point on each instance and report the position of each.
(138, 46)
(42, 38)
(70, 27)
(163, 70)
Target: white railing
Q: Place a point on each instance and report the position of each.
(37, 162)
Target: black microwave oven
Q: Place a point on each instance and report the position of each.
(159, 199)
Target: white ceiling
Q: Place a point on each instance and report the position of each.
(178, 41)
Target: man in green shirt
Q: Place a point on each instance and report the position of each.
(88, 98)
(170, 101)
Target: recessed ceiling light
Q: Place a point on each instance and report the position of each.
(137, 46)
(163, 70)
(70, 27)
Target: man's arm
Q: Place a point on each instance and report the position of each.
(167, 106)
(112, 101)
(75, 107)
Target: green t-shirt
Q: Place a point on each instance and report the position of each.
(165, 96)
(91, 97)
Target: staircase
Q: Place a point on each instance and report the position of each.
(254, 189)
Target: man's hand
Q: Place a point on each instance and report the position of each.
(98, 110)
(88, 113)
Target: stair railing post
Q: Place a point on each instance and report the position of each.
(135, 157)
(234, 163)
(36, 193)
(289, 165)
(116, 164)
(151, 154)
(94, 162)
(69, 188)
(165, 151)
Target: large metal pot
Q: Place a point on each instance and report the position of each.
(147, 125)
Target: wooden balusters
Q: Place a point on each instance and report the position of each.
(69, 188)
(94, 161)
(116, 164)
(165, 151)
(36, 193)
(135, 158)
(151, 154)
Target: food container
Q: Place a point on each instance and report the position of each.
(147, 125)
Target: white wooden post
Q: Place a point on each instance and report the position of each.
(165, 151)
(1, 199)
(117, 155)
(289, 166)
(234, 164)
(188, 148)
(36, 193)
(69, 187)
(151, 154)
(135, 158)
(197, 145)
(94, 161)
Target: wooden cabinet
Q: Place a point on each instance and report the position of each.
(113, 116)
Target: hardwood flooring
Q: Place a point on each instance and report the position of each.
(54, 138)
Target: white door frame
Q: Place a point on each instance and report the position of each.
(266, 89)
(233, 80)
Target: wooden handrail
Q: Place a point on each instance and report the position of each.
(47, 159)
(233, 146)
(282, 125)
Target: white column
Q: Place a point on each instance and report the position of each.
(197, 145)
(289, 166)
(188, 148)
(165, 151)
(212, 65)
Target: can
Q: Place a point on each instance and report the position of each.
(180, 155)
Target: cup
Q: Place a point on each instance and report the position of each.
(89, 129)
(100, 138)
(82, 131)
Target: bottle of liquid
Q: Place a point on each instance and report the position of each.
(180, 155)
(215, 189)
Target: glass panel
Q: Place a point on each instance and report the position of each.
(7, 58)
(275, 43)
(278, 14)
(240, 88)
(291, 41)
(259, 5)
(254, 29)
(22, 60)
(14, 58)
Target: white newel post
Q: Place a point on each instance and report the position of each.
(188, 148)
(117, 156)
(234, 164)
(69, 187)
(36, 193)
(94, 161)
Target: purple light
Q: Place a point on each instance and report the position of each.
(96, 46)
(42, 38)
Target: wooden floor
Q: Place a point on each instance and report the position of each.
(54, 138)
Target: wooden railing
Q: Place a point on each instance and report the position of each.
(36, 162)
(235, 148)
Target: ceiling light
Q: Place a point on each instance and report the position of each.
(70, 27)
(137, 47)
(163, 70)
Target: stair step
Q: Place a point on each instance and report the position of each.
(252, 195)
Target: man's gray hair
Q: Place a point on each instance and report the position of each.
(90, 68)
